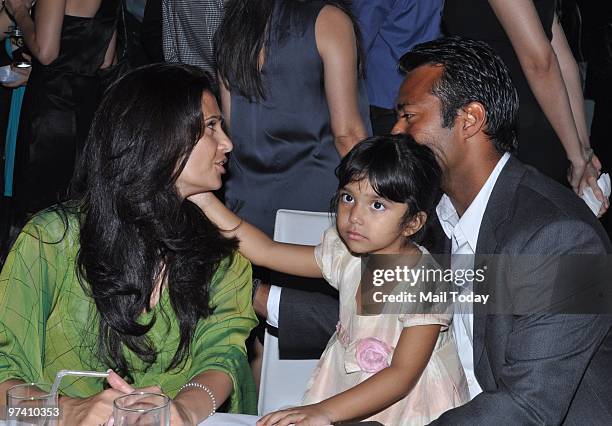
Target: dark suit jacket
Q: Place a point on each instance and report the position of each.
(538, 368)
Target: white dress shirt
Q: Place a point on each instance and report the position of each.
(463, 232)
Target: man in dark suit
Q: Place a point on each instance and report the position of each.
(533, 367)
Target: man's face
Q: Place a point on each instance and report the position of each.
(419, 115)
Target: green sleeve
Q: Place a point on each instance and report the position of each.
(219, 341)
(27, 283)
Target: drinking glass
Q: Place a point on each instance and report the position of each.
(28, 404)
(142, 409)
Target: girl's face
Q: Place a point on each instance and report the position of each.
(203, 170)
(369, 223)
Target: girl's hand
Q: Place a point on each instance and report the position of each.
(308, 415)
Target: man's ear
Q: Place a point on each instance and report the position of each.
(415, 223)
(472, 119)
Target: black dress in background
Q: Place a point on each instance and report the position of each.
(538, 144)
(58, 108)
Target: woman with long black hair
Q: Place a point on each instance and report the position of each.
(130, 275)
(72, 42)
(291, 79)
(292, 89)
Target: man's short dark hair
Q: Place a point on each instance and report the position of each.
(472, 73)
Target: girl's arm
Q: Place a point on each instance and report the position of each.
(257, 246)
(337, 47)
(538, 60)
(43, 36)
(384, 388)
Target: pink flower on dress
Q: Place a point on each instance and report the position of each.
(372, 354)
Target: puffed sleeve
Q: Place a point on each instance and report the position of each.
(332, 256)
(27, 284)
(219, 341)
(426, 311)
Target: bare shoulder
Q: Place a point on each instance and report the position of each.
(333, 27)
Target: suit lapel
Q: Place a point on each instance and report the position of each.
(491, 232)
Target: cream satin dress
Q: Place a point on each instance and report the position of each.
(442, 385)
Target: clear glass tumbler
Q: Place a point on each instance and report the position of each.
(30, 404)
(142, 409)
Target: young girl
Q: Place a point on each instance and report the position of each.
(386, 189)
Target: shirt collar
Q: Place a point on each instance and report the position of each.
(469, 223)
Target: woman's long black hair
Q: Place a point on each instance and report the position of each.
(135, 230)
(245, 30)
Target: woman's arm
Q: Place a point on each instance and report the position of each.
(338, 50)
(197, 402)
(192, 404)
(571, 78)
(257, 246)
(540, 65)
(110, 57)
(43, 36)
(383, 389)
(5, 22)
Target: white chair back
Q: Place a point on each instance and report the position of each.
(283, 381)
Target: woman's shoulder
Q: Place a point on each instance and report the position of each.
(53, 224)
(232, 269)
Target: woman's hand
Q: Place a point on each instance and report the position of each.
(95, 410)
(179, 415)
(24, 75)
(582, 174)
(15, 7)
(308, 415)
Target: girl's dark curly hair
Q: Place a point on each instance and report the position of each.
(398, 169)
(135, 230)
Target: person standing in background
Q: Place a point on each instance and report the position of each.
(71, 42)
(551, 122)
(139, 35)
(188, 28)
(390, 28)
(295, 101)
(597, 48)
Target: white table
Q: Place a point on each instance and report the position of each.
(219, 419)
(224, 419)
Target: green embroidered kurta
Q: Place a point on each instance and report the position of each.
(48, 323)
